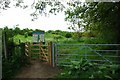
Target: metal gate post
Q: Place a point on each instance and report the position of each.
(56, 54)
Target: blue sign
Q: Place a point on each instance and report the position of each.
(38, 37)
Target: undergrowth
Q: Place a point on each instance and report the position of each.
(11, 66)
(86, 70)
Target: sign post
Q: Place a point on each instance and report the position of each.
(38, 37)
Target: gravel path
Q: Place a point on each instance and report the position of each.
(38, 69)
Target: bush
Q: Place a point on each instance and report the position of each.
(68, 35)
(87, 70)
(26, 34)
(57, 37)
(15, 62)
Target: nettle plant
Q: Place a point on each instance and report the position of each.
(86, 69)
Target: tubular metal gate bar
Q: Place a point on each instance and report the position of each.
(98, 53)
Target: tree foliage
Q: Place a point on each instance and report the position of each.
(43, 7)
(98, 17)
(68, 35)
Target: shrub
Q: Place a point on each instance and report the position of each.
(26, 35)
(68, 35)
(15, 62)
(87, 70)
(57, 37)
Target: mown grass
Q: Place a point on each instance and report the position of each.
(48, 37)
(22, 38)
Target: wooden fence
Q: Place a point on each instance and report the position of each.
(44, 51)
(27, 50)
(62, 54)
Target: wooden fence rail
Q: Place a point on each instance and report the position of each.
(44, 51)
(27, 50)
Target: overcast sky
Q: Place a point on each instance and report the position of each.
(14, 16)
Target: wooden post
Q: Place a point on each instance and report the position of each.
(41, 50)
(5, 47)
(1, 54)
(26, 49)
(50, 52)
(29, 51)
(53, 54)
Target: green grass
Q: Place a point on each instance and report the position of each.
(63, 40)
(22, 39)
(48, 37)
(52, 37)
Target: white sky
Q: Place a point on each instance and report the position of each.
(14, 16)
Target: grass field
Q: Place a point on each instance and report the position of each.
(22, 39)
(48, 37)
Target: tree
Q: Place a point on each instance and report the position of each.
(38, 30)
(43, 7)
(17, 30)
(58, 32)
(68, 35)
(50, 31)
(57, 37)
(73, 17)
(104, 19)
(26, 35)
(100, 18)
(30, 32)
(8, 44)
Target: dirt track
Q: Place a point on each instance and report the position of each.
(38, 69)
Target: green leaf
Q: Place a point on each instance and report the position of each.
(92, 76)
(69, 72)
(113, 71)
(76, 67)
(75, 62)
(107, 76)
(62, 74)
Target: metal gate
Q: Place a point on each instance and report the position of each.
(97, 53)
